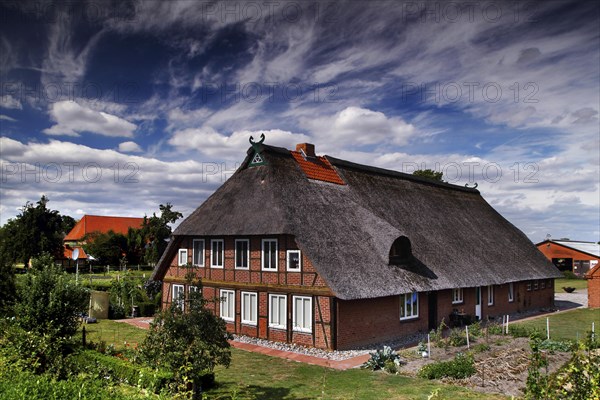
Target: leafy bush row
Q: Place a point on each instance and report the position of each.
(122, 371)
(462, 366)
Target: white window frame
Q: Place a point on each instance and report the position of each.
(403, 301)
(250, 296)
(542, 284)
(287, 260)
(490, 295)
(198, 263)
(511, 292)
(182, 255)
(262, 254)
(180, 301)
(529, 286)
(212, 253)
(192, 288)
(275, 310)
(457, 296)
(227, 296)
(296, 326)
(536, 285)
(247, 253)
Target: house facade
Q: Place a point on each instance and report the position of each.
(322, 252)
(88, 224)
(571, 255)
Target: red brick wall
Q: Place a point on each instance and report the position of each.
(593, 281)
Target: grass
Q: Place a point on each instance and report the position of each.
(112, 332)
(257, 376)
(567, 325)
(578, 284)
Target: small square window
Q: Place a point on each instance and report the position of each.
(409, 305)
(294, 260)
(457, 296)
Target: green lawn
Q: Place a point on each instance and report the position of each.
(256, 376)
(567, 325)
(576, 283)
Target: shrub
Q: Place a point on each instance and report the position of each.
(554, 345)
(494, 329)
(380, 358)
(481, 347)
(117, 370)
(461, 367)
(570, 275)
(475, 330)
(457, 337)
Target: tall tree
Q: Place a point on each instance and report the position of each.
(155, 231)
(108, 248)
(429, 174)
(36, 230)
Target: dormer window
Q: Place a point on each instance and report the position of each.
(401, 251)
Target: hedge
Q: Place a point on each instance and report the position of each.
(123, 371)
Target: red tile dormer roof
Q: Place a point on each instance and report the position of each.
(102, 224)
(318, 168)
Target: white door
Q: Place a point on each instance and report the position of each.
(478, 302)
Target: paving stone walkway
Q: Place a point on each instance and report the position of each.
(354, 362)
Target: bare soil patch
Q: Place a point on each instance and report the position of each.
(501, 369)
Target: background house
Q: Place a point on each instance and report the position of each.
(88, 224)
(324, 252)
(571, 255)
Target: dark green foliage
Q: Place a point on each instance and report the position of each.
(49, 300)
(190, 343)
(118, 370)
(429, 174)
(34, 231)
(107, 248)
(461, 367)
(556, 345)
(8, 289)
(150, 239)
(457, 338)
(570, 275)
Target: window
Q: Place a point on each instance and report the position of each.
(178, 295)
(242, 253)
(511, 292)
(198, 252)
(490, 295)
(269, 254)
(401, 251)
(216, 253)
(277, 311)
(182, 259)
(293, 260)
(409, 305)
(529, 286)
(228, 305)
(457, 296)
(302, 314)
(542, 284)
(249, 310)
(535, 285)
(192, 289)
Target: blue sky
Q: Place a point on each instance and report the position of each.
(114, 109)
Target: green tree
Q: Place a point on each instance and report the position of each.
(108, 248)
(188, 338)
(7, 285)
(429, 174)
(49, 301)
(36, 230)
(154, 232)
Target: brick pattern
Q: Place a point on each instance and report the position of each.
(593, 281)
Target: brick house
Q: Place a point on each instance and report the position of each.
(75, 239)
(571, 255)
(593, 277)
(327, 253)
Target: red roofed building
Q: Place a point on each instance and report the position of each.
(94, 223)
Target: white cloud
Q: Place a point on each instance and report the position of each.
(8, 101)
(208, 142)
(355, 126)
(130, 147)
(72, 119)
(7, 118)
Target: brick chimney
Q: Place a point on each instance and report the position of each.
(306, 149)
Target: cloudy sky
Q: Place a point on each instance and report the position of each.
(114, 109)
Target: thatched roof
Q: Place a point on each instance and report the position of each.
(457, 238)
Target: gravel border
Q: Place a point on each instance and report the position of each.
(334, 355)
